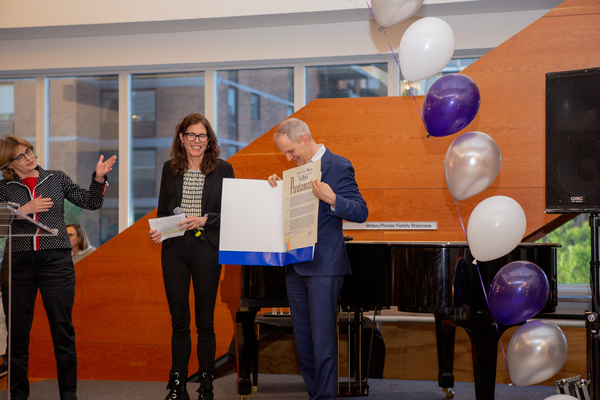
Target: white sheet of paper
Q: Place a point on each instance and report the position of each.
(167, 226)
(251, 213)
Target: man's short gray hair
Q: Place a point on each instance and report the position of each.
(294, 128)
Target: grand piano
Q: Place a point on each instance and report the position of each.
(423, 277)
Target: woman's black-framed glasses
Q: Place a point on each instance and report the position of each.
(203, 137)
(21, 157)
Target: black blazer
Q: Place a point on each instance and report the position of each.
(171, 189)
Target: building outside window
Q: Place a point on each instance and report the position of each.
(158, 103)
(83, 124)
(254, 106)
(232, 119)
(249, 103)
(17, 117)
(343, 81)
(420, 88)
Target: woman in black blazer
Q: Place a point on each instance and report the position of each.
(191, 183)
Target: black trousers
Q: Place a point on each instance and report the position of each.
(52, 272)
(188, 258)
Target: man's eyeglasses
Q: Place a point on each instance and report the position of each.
(203, 137)
(21, 156)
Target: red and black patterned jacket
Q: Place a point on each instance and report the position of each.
(57, 186)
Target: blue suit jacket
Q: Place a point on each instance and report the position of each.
(330, 256)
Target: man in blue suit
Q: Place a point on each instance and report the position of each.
(313, 287)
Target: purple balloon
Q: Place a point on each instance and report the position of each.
(450, 104)
(519, 291)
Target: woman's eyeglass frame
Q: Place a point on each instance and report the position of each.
(191, 137)
(21, 157)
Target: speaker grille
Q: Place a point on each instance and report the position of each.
(573, 141)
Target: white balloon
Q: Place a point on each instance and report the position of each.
(560, 397)
(426, 47)
(496, 227)
(390, 12)
(536, 352)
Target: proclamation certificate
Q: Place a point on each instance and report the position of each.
(252, 225)
(300, 206)
(262, 225)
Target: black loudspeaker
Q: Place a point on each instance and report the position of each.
(573, 141)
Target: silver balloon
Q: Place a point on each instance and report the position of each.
(471, 165)
(536, 352)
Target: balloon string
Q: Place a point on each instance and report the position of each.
(461, 221)
(501, 346)
(482, 286)
(382, 29)
(415, 100)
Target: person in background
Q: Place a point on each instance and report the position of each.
(313, 287)
(192, 181)
(43, 263)
(80, 245)
(3, 342)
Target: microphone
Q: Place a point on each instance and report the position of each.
(198, 232)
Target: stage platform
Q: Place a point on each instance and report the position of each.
(281, 387)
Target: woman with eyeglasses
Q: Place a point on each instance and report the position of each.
(192, 182)
(43, 262)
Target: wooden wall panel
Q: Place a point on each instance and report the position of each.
(121, 317)
(122, 320)
(435, 205)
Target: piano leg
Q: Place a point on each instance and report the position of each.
(484, 347)
(247, 349)
(445, 332)
(255, 363)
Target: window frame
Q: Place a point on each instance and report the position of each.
(125, 87)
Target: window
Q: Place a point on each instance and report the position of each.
(574, 257)
(158, 103)
(254, 106)
(17, 108)
(143, 105)
(232, 111)
(83, 121)
(7, 102)
(144, 181)
(249, 103)
(334, 81)
(420, 88)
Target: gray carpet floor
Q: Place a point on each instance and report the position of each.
(288, 387)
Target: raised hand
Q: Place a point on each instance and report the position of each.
(104, 167)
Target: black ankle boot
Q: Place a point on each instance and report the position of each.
(206, 385)
(177, 386)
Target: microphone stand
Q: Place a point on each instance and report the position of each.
(592, 322)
